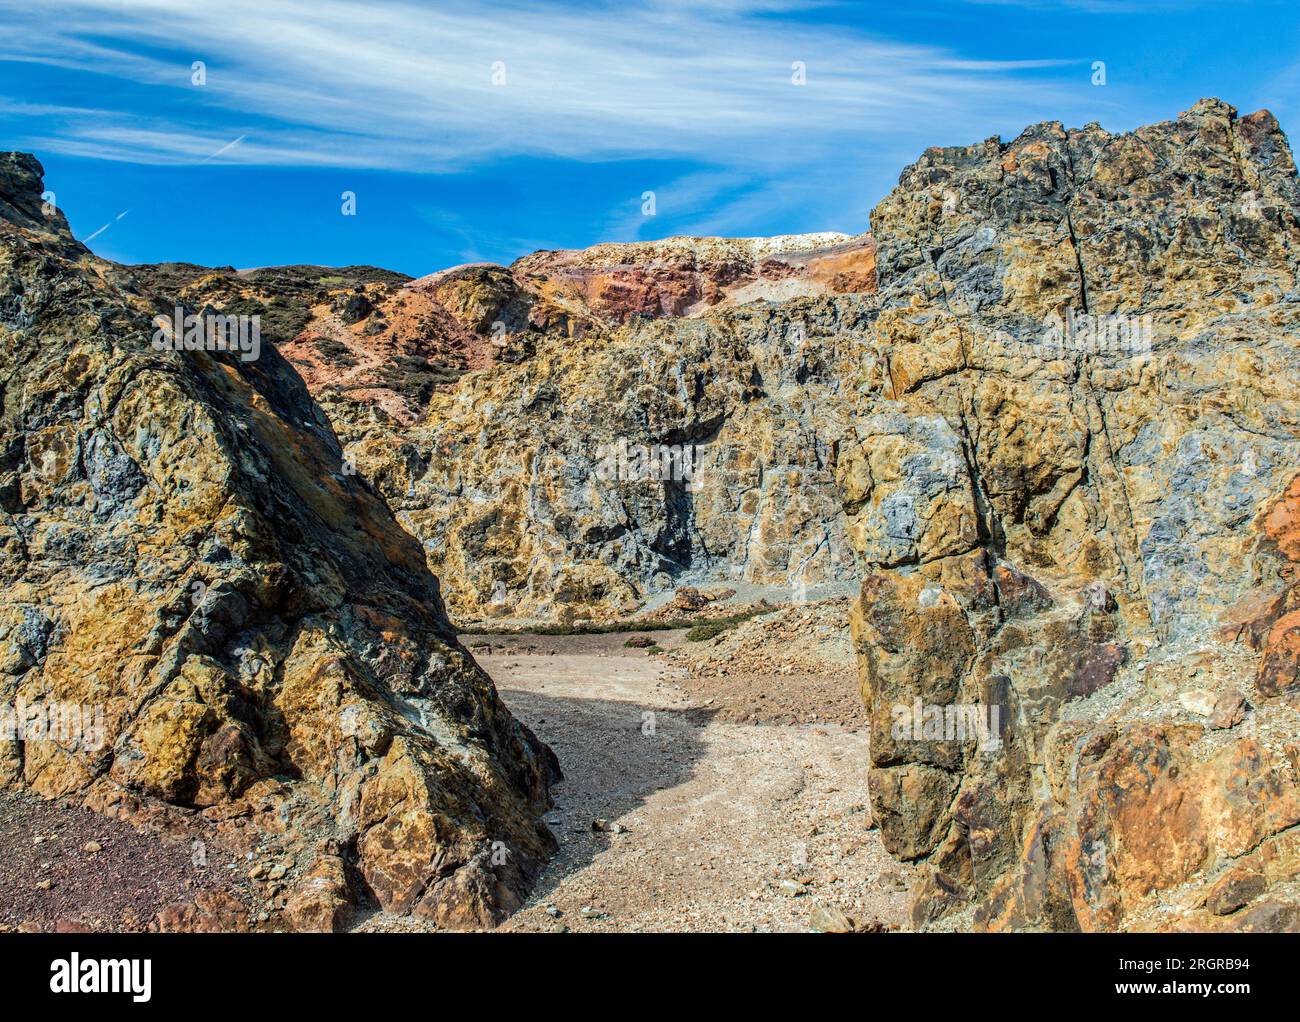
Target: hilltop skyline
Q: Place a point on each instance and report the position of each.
(488, 135)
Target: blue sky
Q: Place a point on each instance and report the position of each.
(594, 104)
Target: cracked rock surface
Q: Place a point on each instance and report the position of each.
(1044, 414)
(1095, 540)
(269, 651)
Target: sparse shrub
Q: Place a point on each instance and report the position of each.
(416, 378)
(353, 308)
(334, 352)
(708, 630)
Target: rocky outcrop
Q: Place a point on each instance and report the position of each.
(187, 564)
(659, 422)
(516, 477)
(366, 346)
(1045, 415)
(603, 470)
(1082, 540)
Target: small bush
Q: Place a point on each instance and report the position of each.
(708, 630)
(639, 642)
(334, 352)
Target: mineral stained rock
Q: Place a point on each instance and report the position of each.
(1045, 414)
(621, 448)
(1094, 539)
(579, 355)
(183, 552)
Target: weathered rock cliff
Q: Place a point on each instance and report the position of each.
(1086, 535)
(523, 480)
(1046, 413)
(578, 354)
(184, 557)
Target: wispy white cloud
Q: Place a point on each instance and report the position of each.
(1110, 6)
(690, 196)
(398, 85)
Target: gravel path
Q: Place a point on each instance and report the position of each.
(680, 811)
(708, 824)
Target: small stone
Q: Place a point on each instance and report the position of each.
(553, 912)
(791, 889)
(592, 913)
(44, 885)
(606, 827)
(277, 872)
(1198, 701)
(1237, 889)
(257, 872)
(1229, 710)
(830, 919)
(91, 847)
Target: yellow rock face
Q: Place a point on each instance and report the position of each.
(203, 609)
(1073, 500)
(1045, 415)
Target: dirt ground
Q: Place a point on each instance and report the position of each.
(708, 821)
(66, 868)
(794, 665)
(708, 787)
